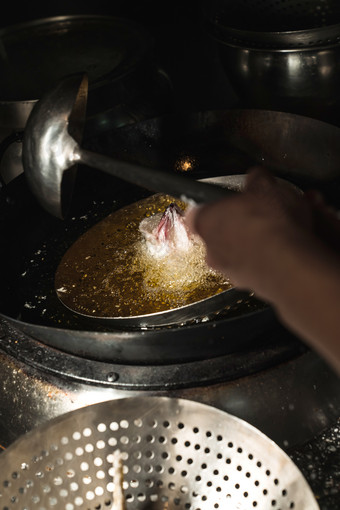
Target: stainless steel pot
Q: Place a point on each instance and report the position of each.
(280, 55)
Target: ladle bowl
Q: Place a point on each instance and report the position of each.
(51, 151)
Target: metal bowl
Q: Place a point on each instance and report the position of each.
(281, 55)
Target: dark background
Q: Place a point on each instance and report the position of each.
(183, 47)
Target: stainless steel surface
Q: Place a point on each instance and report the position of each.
(302, 81)
(52, 134)
(14, 115)
(296, 147)
(276, 23)
(289, 396)
(280, 55)
(51, 149)
(203, 310)
(175, 453)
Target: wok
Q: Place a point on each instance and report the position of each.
(33, 242)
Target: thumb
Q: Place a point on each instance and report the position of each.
(190, 218)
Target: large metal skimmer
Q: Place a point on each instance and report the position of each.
(177, 454)
(51, 149)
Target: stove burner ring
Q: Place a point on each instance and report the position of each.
(44, 359)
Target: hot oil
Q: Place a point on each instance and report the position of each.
(108, 271)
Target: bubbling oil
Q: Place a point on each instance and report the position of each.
(179, 272)
(109, 271)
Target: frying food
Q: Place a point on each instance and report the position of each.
(139, 260)
(166, 232)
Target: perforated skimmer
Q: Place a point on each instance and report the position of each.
(176, 454)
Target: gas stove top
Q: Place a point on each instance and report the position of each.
(280, 387)
(297, 389)
(295, 401)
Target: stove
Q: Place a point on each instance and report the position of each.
(273, 380)
(284, 390)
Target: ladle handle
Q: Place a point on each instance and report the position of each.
(178, 186)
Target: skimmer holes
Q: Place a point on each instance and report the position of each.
(169, 461)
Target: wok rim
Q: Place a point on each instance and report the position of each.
(180, 314)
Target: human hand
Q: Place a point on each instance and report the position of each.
(247, 234)
(283, 245)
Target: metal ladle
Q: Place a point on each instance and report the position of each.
(51, 151)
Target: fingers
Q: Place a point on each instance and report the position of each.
(207, 221)
(200, 221)
(239, 231)
(258, 180)
(190, 217)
